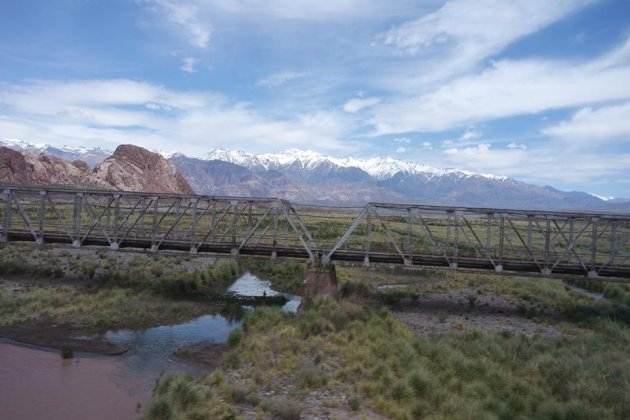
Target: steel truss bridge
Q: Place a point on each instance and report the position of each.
(589, 244)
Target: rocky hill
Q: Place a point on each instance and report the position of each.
(130, 168)
(37, 169)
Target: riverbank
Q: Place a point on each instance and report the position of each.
(118, 329)
(62, 297)
(398, 344)
(550, 353)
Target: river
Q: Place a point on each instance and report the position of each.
(37, 383)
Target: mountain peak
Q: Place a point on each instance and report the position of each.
(381, 168)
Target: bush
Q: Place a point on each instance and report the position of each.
(286, 409)
(354, 403)
(235, 337)
(613, 292)
(309, 376)
(419, 383)
(161, 409)
(184, 392)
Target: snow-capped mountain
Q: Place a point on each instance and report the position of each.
(166, 154)
(237, 157)
(310, 177)
(90, 155)
(381, 168)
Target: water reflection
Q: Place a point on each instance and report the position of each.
(250, 285)
(152, 348)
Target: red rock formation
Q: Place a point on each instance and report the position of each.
(132, 168)
(53, 170)
(25, 168)
(80, 164)
(13, 167)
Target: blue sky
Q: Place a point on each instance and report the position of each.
(538, 90)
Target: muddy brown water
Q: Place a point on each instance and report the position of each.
(39, 384)
(36, 383)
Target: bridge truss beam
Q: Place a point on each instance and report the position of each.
(546, 242)
(588, 244)
(155, 221)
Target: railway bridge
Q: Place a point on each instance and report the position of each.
(545, 242)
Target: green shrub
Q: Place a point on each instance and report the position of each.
(67, 353)
(354, 403)
(161, 408)
(309, 376)
(184, 392)
(286, 409)
(235, 337)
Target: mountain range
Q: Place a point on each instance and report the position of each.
(309, 177)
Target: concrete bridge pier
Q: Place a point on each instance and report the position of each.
(321, 280)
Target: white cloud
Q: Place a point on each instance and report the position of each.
(189, 64)
(509, 88)
(470, 134)
(404, 140)
(483, 158)
(517, 146)
(96, 112)
(187, 18)
(595, 126)
(548, 164)
(427, 145)
(401, 149)
(470, 30)
(278, 79)
(357, 104)
(482, 148)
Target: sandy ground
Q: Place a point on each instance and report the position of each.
(452, 311)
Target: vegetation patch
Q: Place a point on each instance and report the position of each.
(99, 292)
(364, 360)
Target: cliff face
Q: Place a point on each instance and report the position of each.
(40, 169)
(13, 167)
(132, 168)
